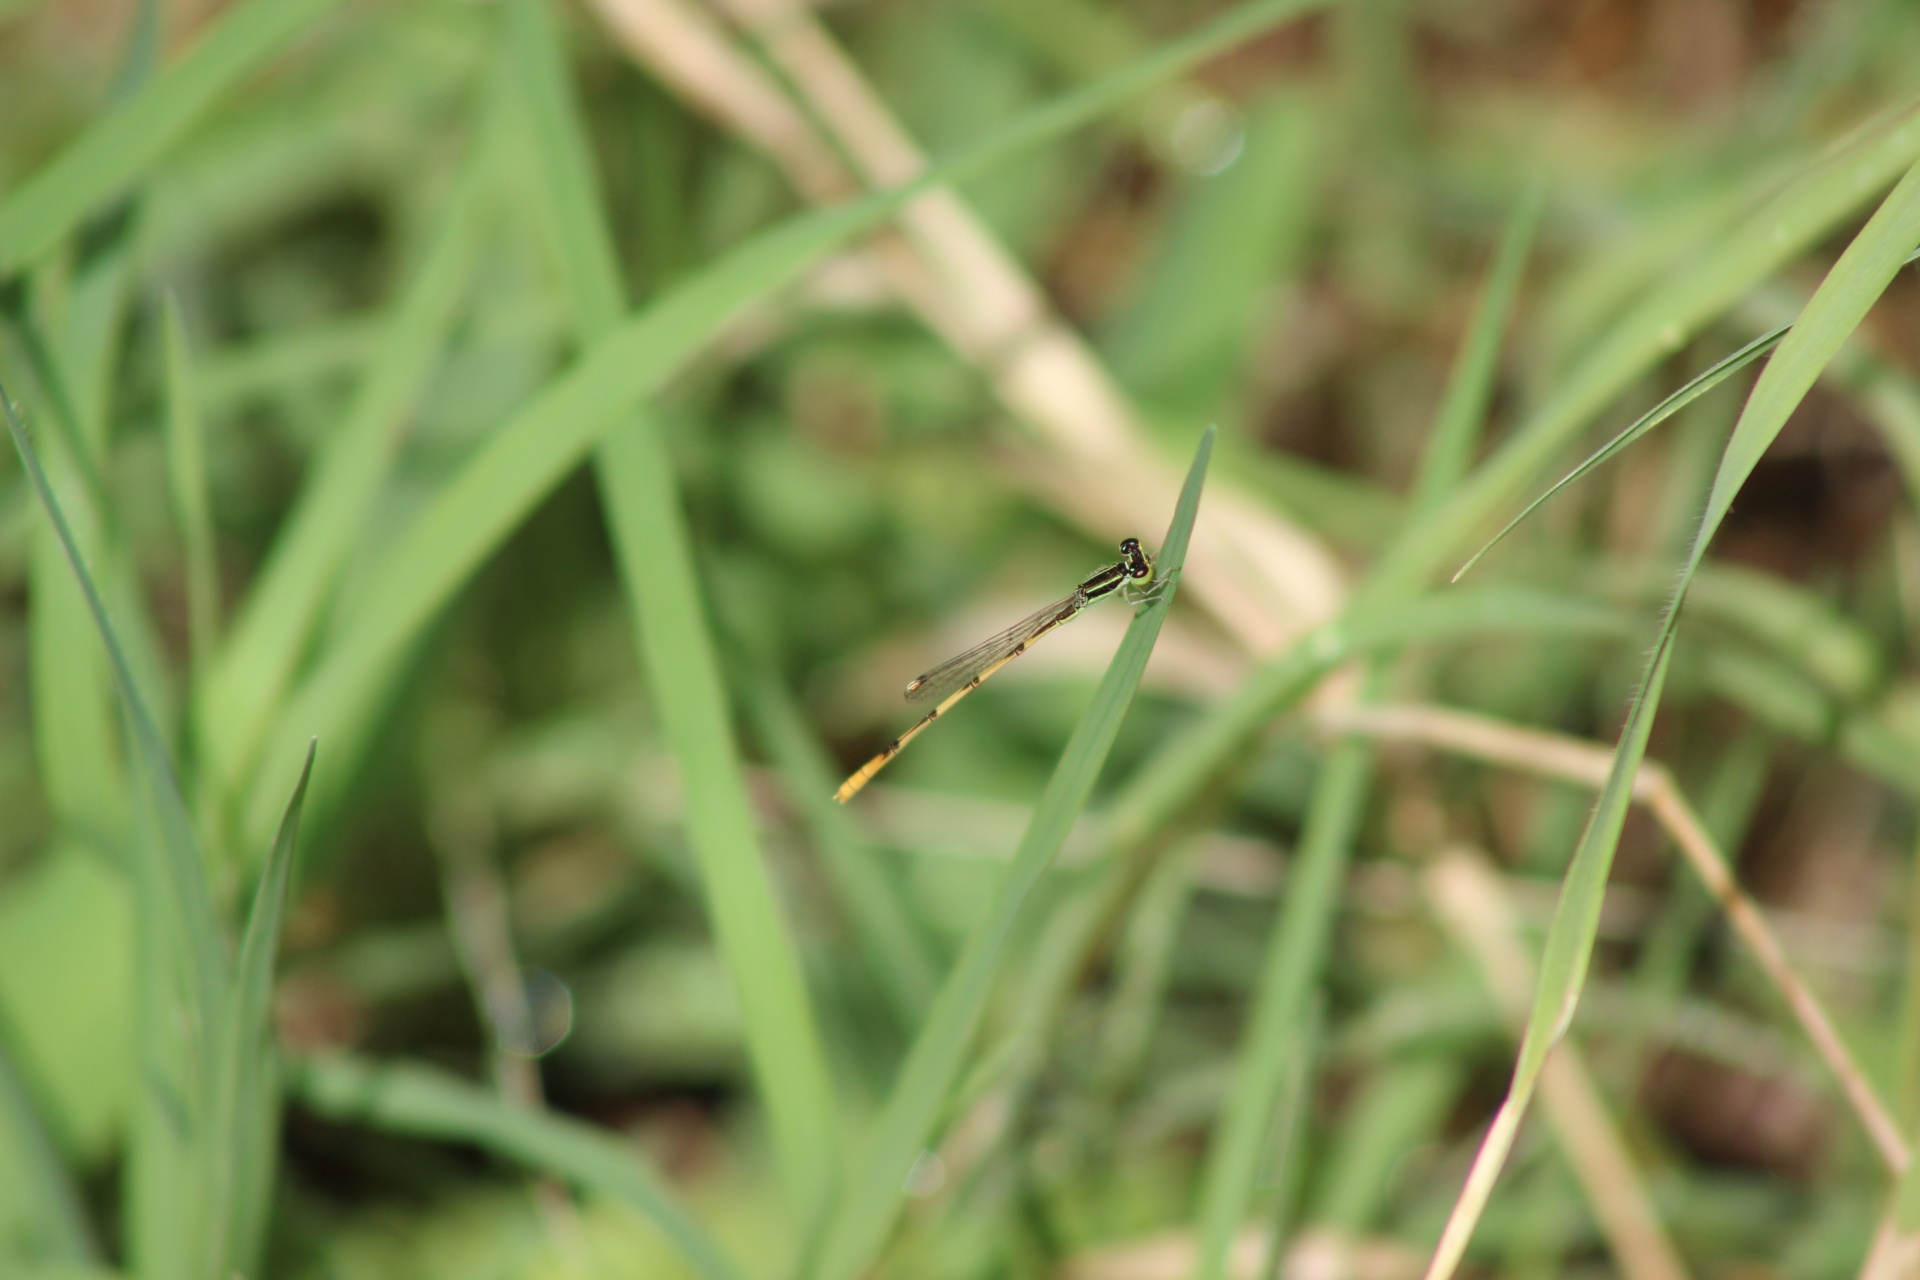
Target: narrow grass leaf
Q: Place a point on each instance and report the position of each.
(906, 1124)
(181, 976)
(654, 551)
(248, 683)
(547, 438)
(1836, 309)
(111, 156)
(1462, 416)
(1698, 386)
(187, 480)
(650, 539)
(428, 1103)
(246, 1102)
(189, 910)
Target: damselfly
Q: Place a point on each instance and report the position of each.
(954, 679)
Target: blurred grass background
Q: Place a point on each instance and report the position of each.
(315, 311)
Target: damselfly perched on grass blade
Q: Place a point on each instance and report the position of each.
(957, 677)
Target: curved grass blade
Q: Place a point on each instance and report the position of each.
(1701, 383)
(865, 1216)
(1696, 387)
(422, 1101)
(245, 1124)
(111, 155)
(1836, 309)
(523, 461)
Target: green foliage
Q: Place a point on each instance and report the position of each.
(558, 421)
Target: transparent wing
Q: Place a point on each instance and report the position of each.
(955, 672)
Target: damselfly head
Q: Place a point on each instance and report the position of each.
(1139, 563)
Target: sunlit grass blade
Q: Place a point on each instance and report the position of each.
(428, 1103)
(1836, 309)
(654, 551)
(275, 624)
(1462, 416)
(111, 155)
(187, 478)
(246, 1120)
(548, 437)
(865, 1215)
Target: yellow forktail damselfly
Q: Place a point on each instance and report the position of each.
(954, 679)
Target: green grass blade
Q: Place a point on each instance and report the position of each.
(428, 1103)
(1697, 386)
(181, 974)
(111, 156)
(1289, 979)
(187, 477)
(1463, 408)
(1836, 309)
(189, 908)
(650, 538)
(242, 1137)
(866, 1214)
(654, 551)
(276, 622)
(547, 438)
